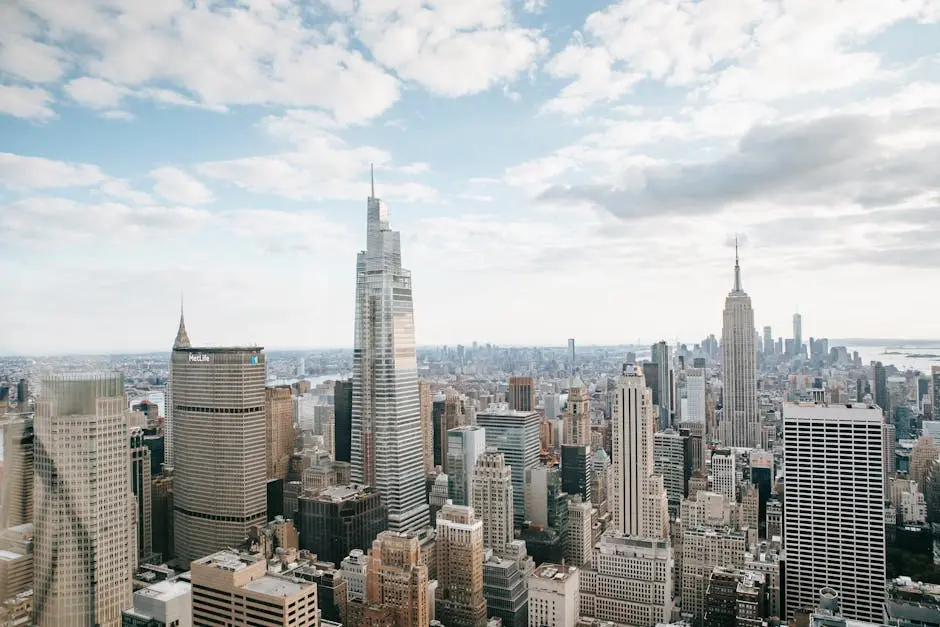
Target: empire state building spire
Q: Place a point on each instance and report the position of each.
(737, 268)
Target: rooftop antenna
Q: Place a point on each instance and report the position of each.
(372, 176)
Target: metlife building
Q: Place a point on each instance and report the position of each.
(217, 426)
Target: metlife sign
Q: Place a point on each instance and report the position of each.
(199, 357)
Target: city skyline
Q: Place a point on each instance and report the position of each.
(560, 143)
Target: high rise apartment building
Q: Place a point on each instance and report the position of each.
(464, 446)
(233, 588)
(279, 430)
(387, 440)
(82, 561)
(459, 546)
(219, 483)
(521, 395)
(739, 367)
(515, 434)
(834, 530)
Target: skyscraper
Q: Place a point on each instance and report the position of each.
(521, 394)
(834, 530)
(140, 485)
(427, 426)
(515, 434)
(695, 392)
(386, 423)
(492, 495)
(881, 388)
(797, 334)
(768, 341)
(571, 356)
(16, 483)
(577, 417)
(739, 367)
(279, 436)
(82, 565)
(632, 463)
(459, 546)
(464, 446)
(397, 579)
(660, 354)
(342, 420)
(219, 484)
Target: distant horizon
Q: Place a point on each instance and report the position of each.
(833, 342)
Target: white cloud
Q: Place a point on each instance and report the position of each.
(23, 173)
(450, 48)
(123, 191)
(25, 102)
(23, 56)
(95, 92)
(183, 54)
(595, 79)
(178, 187)
(117, 114)
(419, 167)
(534, 6)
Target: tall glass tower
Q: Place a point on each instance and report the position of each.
(739, 414)
(386, 424)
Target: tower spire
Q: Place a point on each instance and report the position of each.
(372, 177)
(737, 267)
(182, 337)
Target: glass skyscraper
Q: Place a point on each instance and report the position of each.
(386, 424)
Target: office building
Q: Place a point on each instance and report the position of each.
(493, 500)
(935, 391)
(464, 446)
(427, 426)
(82, 562)
(141, 487)
(724, 473)
(580, 535)
(768, 341)
(521, 395)
(669, 462)
(355, 570)
(397, 580)
(797, 335)
(439, 494)
(234, 588)
(459, 547)
(168, 602)
(841, 518)
(577, 470)
(334, 521)
(387, 448)
(279, 430)
(219, 482)
(506, 590)
(161, 497)
(16, 561)
(572, 363)
(703, 550)
(630, 582)
(695, 393)
(554, 596)
(342, 420)
(739, 367)
(661, 357)
(515, 434)
(577, 417)
(882, 399)
(16, 481)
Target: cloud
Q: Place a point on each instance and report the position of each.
(24, 173)
(837, 158)
(25, 102)
(178, 187)
(418, 167)
(534, 6)
(450, 48)
(182, 54)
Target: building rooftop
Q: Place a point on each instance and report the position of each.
(823, 411)
(277, 586)
(230, 560)
(340, 493)
(166, 590)
(556, 572)
(506, 413)
(9, 555)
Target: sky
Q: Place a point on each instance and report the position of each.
(557, 168)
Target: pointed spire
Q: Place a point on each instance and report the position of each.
(737, 267)
(372, 176)
(182, 338)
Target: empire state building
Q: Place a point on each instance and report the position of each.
(386, 426)
(740, 419)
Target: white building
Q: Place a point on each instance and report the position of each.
(739, 367)
(387, 449)
(702, 550)
(834, 526)
(630, 581)
(166, 602)
(909, 501)
(464, 446)
(554, 596)
(83, 531)
(694, 410)
(580, 535)
(493, 501)
(355, 568)
(724, 473)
